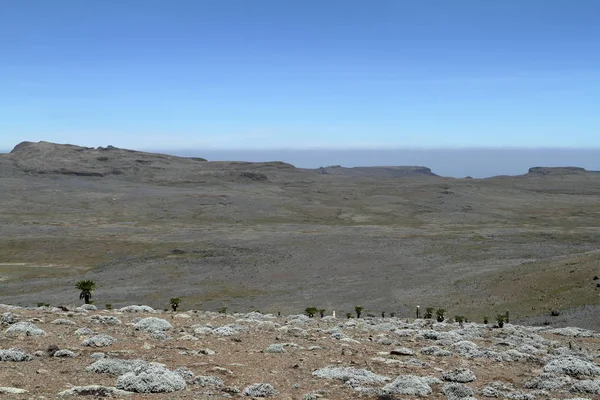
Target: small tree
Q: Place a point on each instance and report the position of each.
(348, 315)
(86, 287)
(175, 302)
(485, 320)
(311, 311)
(440, 313)
(358, 310)
(322, 312)
(428, 313)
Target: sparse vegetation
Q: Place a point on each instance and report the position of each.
(175, 302)
(86, 288)
(348, 315)
(485, 320)
(222, 310)
(43, 304)
(311, 311)
(322, 312)
(108, 306)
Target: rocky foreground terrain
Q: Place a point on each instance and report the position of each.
(139, 353)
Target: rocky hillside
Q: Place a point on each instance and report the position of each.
(141, 353)
(273, 237)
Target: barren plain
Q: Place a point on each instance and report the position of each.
(275, 238)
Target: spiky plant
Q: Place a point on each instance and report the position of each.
(358, 310)
(86, 288)
(440, 313)
(175, 302)
(429, 313)
(500, 319)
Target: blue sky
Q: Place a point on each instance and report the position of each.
(259, 74)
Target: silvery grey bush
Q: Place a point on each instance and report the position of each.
(186, 373)
(407, 385)
(260, 390)
(586, 386)
(24, 328)
(83, 332)
(64, 353)
(114, 366)
(435, 351)
(151, 379)
(457, 391)
(99, 341)
(208, 381)
(8, 318)
(547, 381)
(153, 324)
(572, 366)
(15, 355)
(137, 309)
(346, 373)
(105, 319)
(461, 375)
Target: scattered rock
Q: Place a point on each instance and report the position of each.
(63, 321)
(95, 391)
(12, 390)
(402, 351)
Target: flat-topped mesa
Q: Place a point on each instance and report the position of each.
(378, 171)
(556, 170)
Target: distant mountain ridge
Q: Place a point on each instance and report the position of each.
(67, 159)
